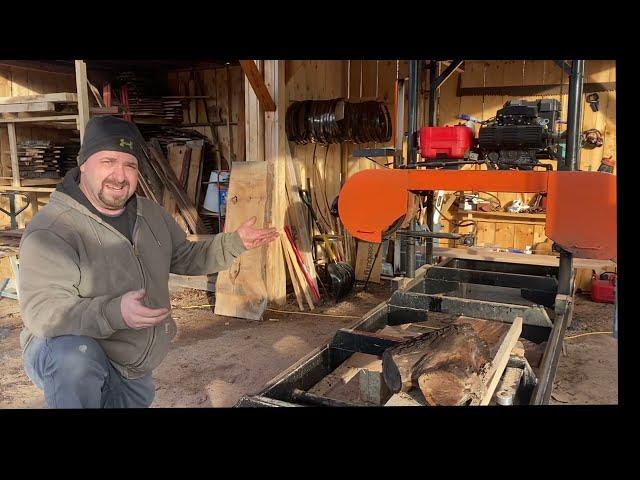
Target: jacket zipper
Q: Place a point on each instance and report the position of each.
(136, 254)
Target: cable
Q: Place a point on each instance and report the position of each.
(373, 264)
(589, 333)
(492, 195)
(316, 177)
(379, 164)
(278, 311)
(313, 314)
(324, 188)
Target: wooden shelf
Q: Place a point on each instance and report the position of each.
(523, 216)
(31, 182)
(58, 118)
(503, 217)
(480, 253)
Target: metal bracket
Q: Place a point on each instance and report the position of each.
(564, 66)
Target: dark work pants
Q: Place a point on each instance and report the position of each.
(74, 372)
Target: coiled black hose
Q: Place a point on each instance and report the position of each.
(320, 121)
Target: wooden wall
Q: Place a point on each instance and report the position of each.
(213, 82)
(368, 79)
(360, 79)
(18, 81)
(480, 73)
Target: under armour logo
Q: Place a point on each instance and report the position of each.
(124, 143)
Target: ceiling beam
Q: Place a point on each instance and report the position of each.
(257, 83)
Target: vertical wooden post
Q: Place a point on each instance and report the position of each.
(254, 121)
(83, 96)
(15, 170)
(13, 150)
(274, 152)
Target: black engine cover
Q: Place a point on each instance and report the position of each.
(511, 137)
(520, 132)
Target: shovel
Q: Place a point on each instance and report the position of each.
(341, 274)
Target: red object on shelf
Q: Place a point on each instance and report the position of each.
(449, 142)
(603, 288)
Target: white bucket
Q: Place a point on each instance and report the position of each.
(216, 195)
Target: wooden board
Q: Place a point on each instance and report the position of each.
(196, 147)
(347, 371)
(47, 97)
(296, 215)
(171, 182)
(366, 261)
(294, 277)
(477, 253)
(298, 270)
(28, 107)
(501, 359)
(523, 236)
(241, 290)
(485, 234)
(504, 235)
(176, 157)
(274, 153)
(83, 96)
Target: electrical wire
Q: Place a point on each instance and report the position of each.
(379, 164)
(316, 178)
(324, 188)
(589, 333)
(278, 311)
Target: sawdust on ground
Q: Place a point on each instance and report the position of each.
(215, 360)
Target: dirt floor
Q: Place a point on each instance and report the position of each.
(215, 360)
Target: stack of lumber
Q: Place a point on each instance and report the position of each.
(39, 159)
(48, 104)
(69, 157)
(145, 97)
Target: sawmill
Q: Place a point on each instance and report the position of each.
(339, 233)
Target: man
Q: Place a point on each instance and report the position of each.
(94, 271)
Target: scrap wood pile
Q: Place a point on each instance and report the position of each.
(173, 180)
(184, 150)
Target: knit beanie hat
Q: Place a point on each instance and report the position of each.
(110, 133)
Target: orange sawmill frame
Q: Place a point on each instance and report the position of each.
(581, 206)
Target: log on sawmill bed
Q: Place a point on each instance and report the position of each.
(447, 365)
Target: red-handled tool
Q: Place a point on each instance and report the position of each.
(314, 290)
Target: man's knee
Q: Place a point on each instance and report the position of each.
(73, 358)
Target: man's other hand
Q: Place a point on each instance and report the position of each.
(136, 315)
(255, 237)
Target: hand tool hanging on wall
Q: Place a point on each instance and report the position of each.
(341, 274)
(593, 99)
(607, 164)
(592, 139)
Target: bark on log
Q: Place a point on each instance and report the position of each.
(447, 365)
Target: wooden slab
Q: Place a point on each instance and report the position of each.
(241, 290)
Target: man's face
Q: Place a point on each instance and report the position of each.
(109, 179)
